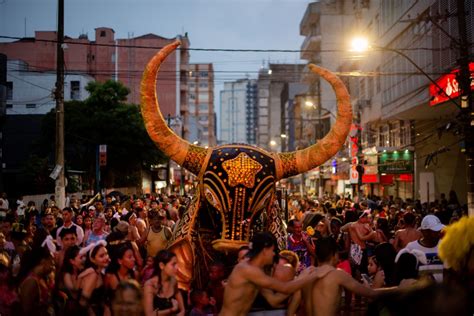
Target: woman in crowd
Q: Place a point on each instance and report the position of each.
(36, 288)
(98, 231)
(121, 267)
(68, 278)
(161, 294)
(382, 230)
(385, 255)
(91, 282)
(131, 218)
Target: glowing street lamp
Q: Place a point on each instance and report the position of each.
(360, 44)
(309, 104)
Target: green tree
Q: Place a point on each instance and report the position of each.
(103, 118)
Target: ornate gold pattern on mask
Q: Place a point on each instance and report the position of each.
(242, 170)
(288, 162)
(194, 159)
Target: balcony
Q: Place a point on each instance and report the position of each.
(311, 45)
(310, 18)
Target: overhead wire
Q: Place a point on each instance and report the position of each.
(243, 50)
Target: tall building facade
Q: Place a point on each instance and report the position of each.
(201, 102)
(238, 107)
(326, 26)
(417, 139)
(270, 115)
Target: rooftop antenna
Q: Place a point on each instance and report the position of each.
(25, 26)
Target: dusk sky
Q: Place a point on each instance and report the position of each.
(235, 24)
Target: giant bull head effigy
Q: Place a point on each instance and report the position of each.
(236, 182)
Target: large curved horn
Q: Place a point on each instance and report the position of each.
(189, 156)
(292, 163)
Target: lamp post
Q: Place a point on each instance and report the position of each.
(467, 101)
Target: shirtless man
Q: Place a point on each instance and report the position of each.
(360, 232)
(323, 296)
(248, 277)
(408, 234)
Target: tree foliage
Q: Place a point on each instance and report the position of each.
(103, 118)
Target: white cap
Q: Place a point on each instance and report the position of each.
(431, 222)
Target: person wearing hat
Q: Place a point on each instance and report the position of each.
(157, 235)
(428, 243)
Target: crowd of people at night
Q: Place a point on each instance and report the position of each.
(109, 256)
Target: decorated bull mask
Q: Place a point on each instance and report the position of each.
(236, 182)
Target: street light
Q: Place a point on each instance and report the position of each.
(467, 107)
(361, 44)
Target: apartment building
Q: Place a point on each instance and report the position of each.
(238, 107)
(326, 27)
(107, 57)
(201, 102)
(417, 140)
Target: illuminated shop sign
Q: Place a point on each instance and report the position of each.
(450, 85)
(396, 162)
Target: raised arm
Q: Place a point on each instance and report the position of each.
(259, 278)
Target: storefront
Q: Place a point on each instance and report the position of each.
(388, 172)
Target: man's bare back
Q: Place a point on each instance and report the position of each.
(246, 280)
(324, 295)
(404, 236)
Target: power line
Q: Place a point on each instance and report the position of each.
(69, 41)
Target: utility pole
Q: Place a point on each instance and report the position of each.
(3, 110)
(467, 102)
(60, 187)
(168, 164)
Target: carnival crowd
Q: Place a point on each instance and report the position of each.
(108, 256)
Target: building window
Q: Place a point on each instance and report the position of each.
(394, 135)
(30, 105)
(204, 96)
(75, 90)
(405, 133)
(383, 136)
(203, 85)
(9, 90)
(203, 74)
(102, 33)
(9, 106)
